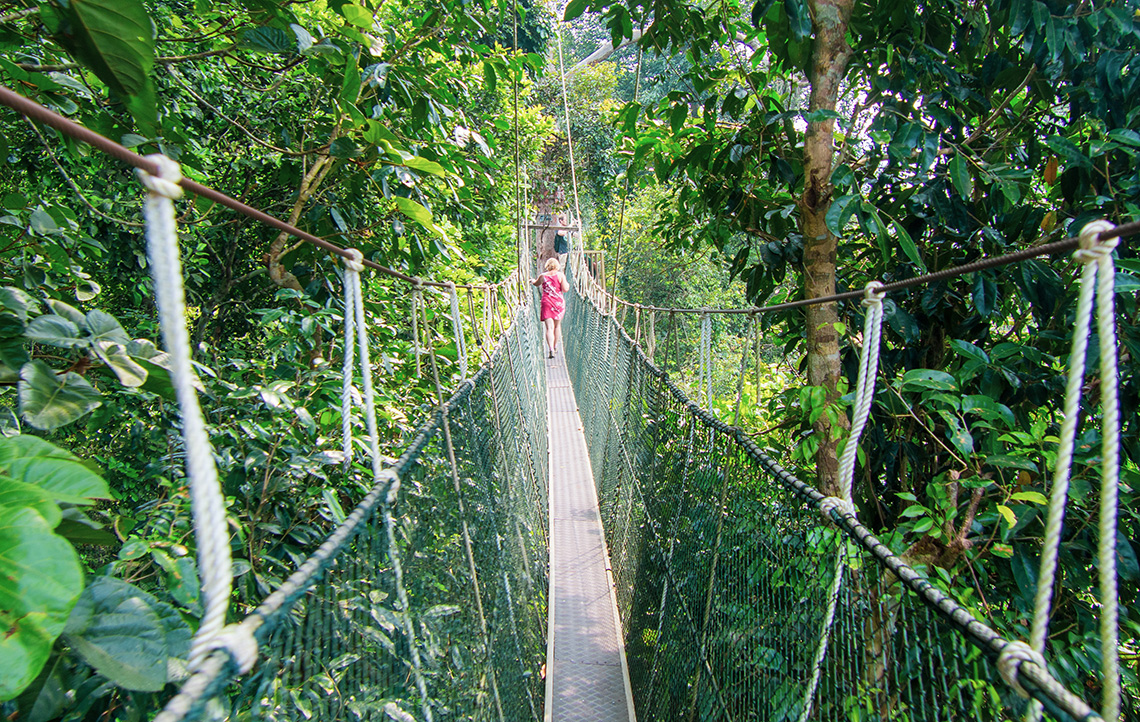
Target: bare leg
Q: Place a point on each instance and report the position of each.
(557, 332)
(550, 324)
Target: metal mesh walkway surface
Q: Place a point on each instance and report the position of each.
(587, 678)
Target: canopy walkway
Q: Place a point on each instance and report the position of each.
(721, 564)
(738, 592)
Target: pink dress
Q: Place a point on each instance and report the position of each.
(552, 304)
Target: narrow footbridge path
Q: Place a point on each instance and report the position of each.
(587, 676)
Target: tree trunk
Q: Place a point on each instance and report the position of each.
(830, 53)
(281, 277)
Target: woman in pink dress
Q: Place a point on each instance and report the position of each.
(553, 284)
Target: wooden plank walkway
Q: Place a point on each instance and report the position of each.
(587, 678)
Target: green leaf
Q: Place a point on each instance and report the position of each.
(40, 579)
(985, 295)
(104, 327)
(126, 369)
(1068, 150)
(15, 494)
(42, 223)
(799, 17)
(907, 244)
(34, 461)
(127, 634)
(358, 16)
(425, 165)
(840, 212)
(415, 211)
(1011, 462)
(181, 579)
(960, 176)
(969, 350)
(54, 331)
(48, 401)
(270, 40)
(1007, 514)
(1033, 497)
(574, 9)
(930, 379)
(115, 38)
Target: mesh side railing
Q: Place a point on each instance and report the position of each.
(723, 565)
(336, 642)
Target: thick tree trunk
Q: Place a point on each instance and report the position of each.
(830, 53)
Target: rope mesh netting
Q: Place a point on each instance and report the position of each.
(723, 564)
(337, 644)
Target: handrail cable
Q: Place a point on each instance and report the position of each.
(35, 111)
(984, 264)
(628, 180)
(569, 135)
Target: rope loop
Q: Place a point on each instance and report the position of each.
(166, 182)
(873, 294)
(829, 504)
(354, 261)
(1009, 663)
(1092, 248)
(239, 641)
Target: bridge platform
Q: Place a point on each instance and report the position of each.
(587, 679)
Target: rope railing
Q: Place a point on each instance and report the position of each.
(718, 550)
(35, 111)
(1045, 249)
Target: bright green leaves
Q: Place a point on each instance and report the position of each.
(270, 40)
(40, 578)
(40, 574)
(115, 38)
(129, 636)
(49, 400)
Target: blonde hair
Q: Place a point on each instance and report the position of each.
(552, 264)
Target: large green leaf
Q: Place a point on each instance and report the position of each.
(127, 634)
(54, 331)
(49, 401)
(104, 327)
(128, 371)
(115, 38)
(31, 460)
(16, 494)
(40, 579)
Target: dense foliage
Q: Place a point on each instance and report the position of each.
(383, 126)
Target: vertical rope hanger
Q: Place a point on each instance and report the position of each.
(211, 529)
(354, 316)
(1097, 279)
(704, 387)
(864, 395)
(457, 329)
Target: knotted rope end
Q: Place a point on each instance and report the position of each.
(1009, 663)
(1092, 248)
(165, 183)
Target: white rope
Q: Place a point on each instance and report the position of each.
(353, 265)
(457, 329)
(1009, 665)
(211, 529)
(865, 385)
(417, 299)
(704, 388)
(566, 116)
(1097, 280)
(354, 315)
(864, 395)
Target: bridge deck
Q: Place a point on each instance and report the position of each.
(587, 679)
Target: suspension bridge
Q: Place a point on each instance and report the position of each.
(576, 539)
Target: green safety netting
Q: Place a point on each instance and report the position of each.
(335, 640)
(723, 564)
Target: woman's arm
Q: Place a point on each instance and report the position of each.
(565, 283)
(536, 281)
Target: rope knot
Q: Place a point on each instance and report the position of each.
(417, 284)
(393, 486)
(166, 182)
(873, 294)
(829, 504)
(238, 640)
(1092, 248)
(1010, 659)
(354, 261)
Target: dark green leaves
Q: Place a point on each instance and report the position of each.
(960, 176)
(270, 40)
(49, 401)
(127, 634)
(799, 17)
(40, 578)
(574, 9)
(115, 38)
